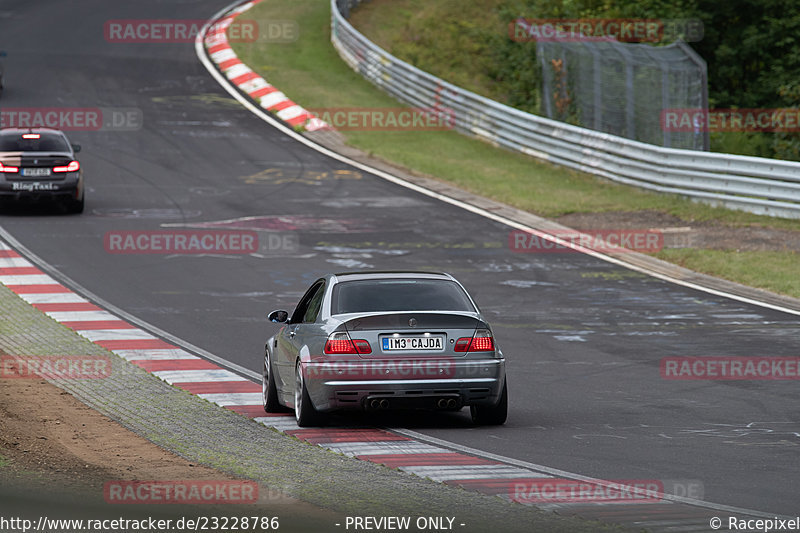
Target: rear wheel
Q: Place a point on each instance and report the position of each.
(269, 393)
(491, 415)
(75, 206)
(304, 410)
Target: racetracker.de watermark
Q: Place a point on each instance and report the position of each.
(632, 30)
(407, 368)
(73, 118)
(54, 366)
(190, 242)
(553, 490)
(180, 492)
(386, 118)
(730, 368)
(602, 240)
(697, 120)
(170, 31)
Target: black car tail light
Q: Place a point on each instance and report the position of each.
(6, 168)
(73, 166)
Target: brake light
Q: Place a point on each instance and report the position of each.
(4, 168)
(481, 341)
(73, 166)
(31, 136)
(339, 343)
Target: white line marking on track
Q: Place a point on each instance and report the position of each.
(154, 354)
(454, 472)
(223, 55)
(272, 99)
(80, 316)
(11, 262)
(28, 279)
(96, 335)
(53, 298)
(291, 112)
(198, 376)
(233, 398)
(237, 70)
(283, 424)
(382, 448)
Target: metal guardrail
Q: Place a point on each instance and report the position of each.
(754, 184)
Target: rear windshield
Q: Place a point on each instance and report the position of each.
(368, 296)
(47, 142)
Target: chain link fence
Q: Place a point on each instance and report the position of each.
(615, 87)
(623, 88)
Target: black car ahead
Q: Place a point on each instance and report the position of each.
(40, 164)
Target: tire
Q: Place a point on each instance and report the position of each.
(495, 415)
(304, 410)
(75, 206)
(269, 393)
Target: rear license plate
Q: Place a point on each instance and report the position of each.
(35, 172)
(413, 343)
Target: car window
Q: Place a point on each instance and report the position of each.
(47, 142)
(314, 306)
(302, 308)
(366, 296)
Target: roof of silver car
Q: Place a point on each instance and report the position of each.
(388, 274)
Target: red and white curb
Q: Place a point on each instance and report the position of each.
(227, 389)
(243, 77)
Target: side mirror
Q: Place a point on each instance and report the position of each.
(279, 316)
(76, 148)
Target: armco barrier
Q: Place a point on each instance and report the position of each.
(754, 184)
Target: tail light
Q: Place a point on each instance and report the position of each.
(339, 343)
(73, 166)
(5, 168)
(481, 341)
(31, 136)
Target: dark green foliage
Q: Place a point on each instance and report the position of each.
(787, 145)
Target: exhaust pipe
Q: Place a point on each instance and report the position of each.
(378, 404)
(447, 403)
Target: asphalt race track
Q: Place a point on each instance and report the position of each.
(583, 338)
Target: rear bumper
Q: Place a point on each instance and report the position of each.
(353, 385)
(68, 188)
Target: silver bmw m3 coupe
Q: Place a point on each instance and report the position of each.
(384, 340)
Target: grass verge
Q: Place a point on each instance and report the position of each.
(775, 271)
(312, 74)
